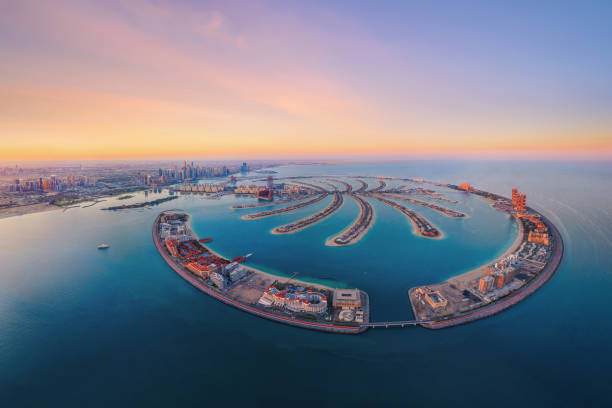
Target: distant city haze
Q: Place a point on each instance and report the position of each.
(180, 79)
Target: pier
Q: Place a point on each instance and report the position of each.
(234, 295)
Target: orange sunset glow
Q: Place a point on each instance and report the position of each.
(141, 79)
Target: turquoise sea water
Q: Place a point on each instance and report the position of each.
(119, 327)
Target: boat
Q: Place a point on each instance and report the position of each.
(205, 240)
(103, 246)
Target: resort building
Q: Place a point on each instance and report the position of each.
(308, 302)
(347, 298)
(171, 246)
(197, 269)
(251, 189)
(237, 273)
(435, 300)
(218, 280)
(539, 237)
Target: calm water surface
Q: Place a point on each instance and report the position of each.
(118, 327)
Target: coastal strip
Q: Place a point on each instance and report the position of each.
(277, 211)
(313, 219)
(358, 229)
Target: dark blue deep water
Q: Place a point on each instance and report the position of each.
(82, 327)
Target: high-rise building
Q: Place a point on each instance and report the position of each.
(519, 201)
(485, 284)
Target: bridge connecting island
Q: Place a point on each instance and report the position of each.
(525, 267)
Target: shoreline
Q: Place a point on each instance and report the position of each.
(267, 274)
(20, 210)
(514, 297)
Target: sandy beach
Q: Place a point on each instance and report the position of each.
(266, 279)
(27, 209)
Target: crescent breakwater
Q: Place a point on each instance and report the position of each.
(498, 305)
(246, 293)
(313, 219)
(277, 211)
(525, 267)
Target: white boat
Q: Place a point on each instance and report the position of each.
(103, 246)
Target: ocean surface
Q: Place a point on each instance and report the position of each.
(80, 326)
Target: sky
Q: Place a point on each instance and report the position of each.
(266, 79)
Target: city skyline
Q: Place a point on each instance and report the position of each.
(168, 80)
